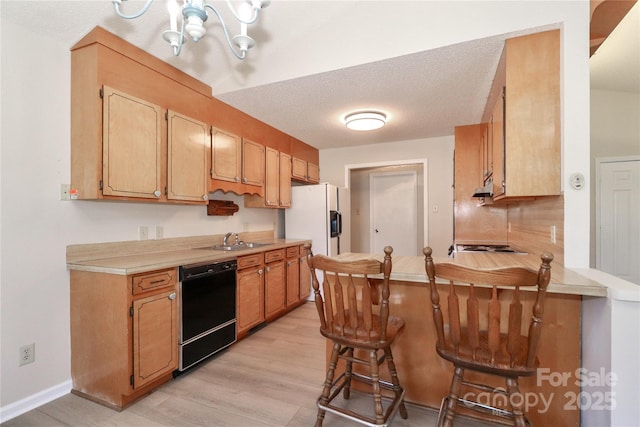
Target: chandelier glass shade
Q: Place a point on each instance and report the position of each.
(367, 120)
(192, 14)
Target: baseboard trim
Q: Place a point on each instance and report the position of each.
(29, 403)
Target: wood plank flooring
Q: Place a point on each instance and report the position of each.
(269, 379)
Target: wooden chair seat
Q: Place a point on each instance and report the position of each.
(480, 327)
(480, 357)
(353, 307)
(347, 334)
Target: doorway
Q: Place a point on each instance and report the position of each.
(358, 180)
(394, 212)
(617, 213)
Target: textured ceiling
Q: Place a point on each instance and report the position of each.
(425, 94)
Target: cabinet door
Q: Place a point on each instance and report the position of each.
(226, 156)
(252, 163)
(155, 337)
(250, 298)
(532, 125)
(275, 291)
(293, 280)
(497, 133)
(298, 169)
(285, 180)
(131, 146)
(313, 173)
(272, 177)
(187, 158)
(305, 277)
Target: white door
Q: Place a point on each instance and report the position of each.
(394, 212)
(618, 218)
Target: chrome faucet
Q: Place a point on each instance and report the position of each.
(226, 237)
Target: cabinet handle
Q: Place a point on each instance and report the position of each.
(172, 296)
(237, 179)
(268, 269)
(157, 193)
(205, 197)
(260, 272)
(244, 180)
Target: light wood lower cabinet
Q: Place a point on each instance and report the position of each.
(274, 283)
(250, 280)
(305, 277)
(293, 275)
(124, 334)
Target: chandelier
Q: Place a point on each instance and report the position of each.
(193, 17)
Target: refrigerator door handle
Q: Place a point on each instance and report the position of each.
(336, 223)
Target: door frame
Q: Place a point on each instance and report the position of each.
(425, 181)
(598, 163)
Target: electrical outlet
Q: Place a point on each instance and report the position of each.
(159, 232)
(65, 191)
(143, 232)
(553, 234)
(27, 354)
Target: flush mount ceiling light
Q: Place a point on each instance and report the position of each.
(193, 17)
(366, 120)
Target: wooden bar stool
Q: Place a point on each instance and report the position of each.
(354, 315)
(499, 344)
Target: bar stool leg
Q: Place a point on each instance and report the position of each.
(397, 389)
(375, 383)
(346, 391)
(515, 400)
(454, 393)
(324, 398)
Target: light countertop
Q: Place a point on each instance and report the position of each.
(563, 280)
(124, 258)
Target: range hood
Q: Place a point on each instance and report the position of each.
(486, 191)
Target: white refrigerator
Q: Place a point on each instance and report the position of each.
(321, 213)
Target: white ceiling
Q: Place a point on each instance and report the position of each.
(425, 94)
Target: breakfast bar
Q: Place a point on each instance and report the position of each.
(551, 398)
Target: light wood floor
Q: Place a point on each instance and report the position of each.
(271, 378)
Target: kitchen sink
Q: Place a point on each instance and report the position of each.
(240, 246)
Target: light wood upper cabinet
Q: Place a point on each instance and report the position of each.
(497, 145)
(313, 173)
(298, 169)
(467, 214)
(285, 181)
(532, 117)
(272, 179)
(302, 170)
(187, 144)
(252, 163)
(226, 156)
(277, 188)
(131, 146)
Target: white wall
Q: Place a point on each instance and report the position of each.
(439, 155)
(615, 132)
(36, 226)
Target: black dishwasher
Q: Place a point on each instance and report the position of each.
(207, 310)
